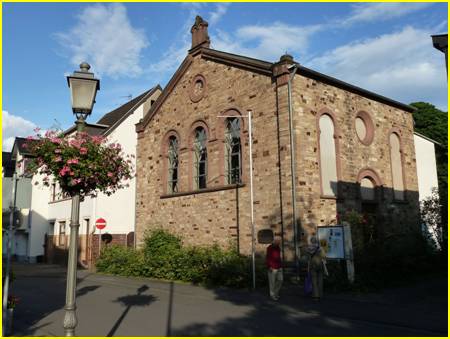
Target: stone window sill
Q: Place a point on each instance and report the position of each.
(332, 197)
(204, 190)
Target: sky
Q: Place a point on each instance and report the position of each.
(382, 47)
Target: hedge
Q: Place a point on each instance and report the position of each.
(164, 257)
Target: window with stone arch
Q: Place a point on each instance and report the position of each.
(233, 153)
(367, 189)
(200, 158)
(396, 166)
(172, 164)
(328, 159)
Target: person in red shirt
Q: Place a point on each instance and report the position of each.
(274, 269)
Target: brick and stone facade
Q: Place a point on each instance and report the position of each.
(234, 85)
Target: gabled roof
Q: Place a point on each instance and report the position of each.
(440, 41)
(427, 138)
(261, 67)
(19, 146)
(112, 117)
(91, 129)
(165, 93)
(108, 122)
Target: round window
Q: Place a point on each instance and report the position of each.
(364, 128)
(198, 88)
(361, 129)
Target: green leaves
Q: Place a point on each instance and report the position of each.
(80, 164)
(164, 257)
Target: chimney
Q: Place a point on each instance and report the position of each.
(199, 30)
(281, 69)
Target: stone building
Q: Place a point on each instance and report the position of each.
(352, 149)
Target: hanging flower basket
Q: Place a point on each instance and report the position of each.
(81, 164)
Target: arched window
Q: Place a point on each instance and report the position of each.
(233, 151)
(396, 167)
(367, 189)
(172, 158)
(200, 158)
(328, 168)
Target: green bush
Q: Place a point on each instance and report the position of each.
(120, 260)
(164, 257)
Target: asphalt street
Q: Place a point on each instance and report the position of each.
(117, 306)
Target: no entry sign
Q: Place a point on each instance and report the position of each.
(100, 223)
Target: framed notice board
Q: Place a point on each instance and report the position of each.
(331, 238)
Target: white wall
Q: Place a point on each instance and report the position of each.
(426, 166)
(119, 209)
(38, 217)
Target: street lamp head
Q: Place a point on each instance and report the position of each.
(83, 89)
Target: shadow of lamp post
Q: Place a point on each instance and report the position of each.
(83, 88)
(139, 299)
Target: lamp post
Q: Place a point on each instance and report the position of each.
(83, 88)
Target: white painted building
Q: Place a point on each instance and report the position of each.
(426, 170)
(426, 165)
(50, 210)
(24, 237)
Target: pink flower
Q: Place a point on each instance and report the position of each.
(72, 161)
(83, 150)
(57, 150)
(56, 140)
(109, 174)
(64, 170)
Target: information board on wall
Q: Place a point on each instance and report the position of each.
(331, 238)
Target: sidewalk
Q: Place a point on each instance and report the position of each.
(117, 306)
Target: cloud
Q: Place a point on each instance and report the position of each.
(266, 42)
(401, 65)
(104, 36)
(177, 51)
(220, 10)
(371, 12)
(14, 126)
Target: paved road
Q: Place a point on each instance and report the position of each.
(116, 306)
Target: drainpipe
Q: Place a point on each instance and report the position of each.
(293, 172)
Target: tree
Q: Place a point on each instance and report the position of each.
(430, 213)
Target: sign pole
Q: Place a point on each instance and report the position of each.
(349, 253)
(100, 224)
(250, 140)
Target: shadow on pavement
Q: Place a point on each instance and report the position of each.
(296, 315)
(45, 296)
(129, 301)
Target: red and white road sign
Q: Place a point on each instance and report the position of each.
(100, 223)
